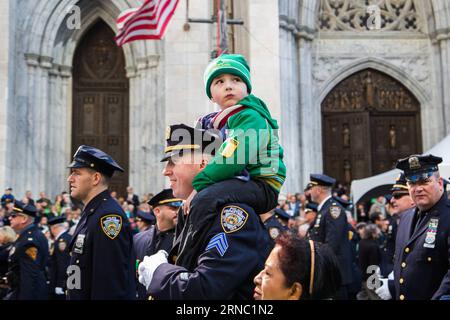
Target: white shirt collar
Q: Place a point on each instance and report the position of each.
(322, 203)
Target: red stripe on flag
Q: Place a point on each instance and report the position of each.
(146, 22)
(155, 18)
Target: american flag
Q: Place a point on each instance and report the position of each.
(149, 21)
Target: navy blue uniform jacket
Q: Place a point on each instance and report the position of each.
(27, 261)
(422, 254)
(102, 248)
(230, 252)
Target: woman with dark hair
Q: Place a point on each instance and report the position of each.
(369, 256)
(298, 269)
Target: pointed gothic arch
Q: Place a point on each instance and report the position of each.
(49, 47)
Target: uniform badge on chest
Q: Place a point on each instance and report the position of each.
(430, 238)
(79, 244)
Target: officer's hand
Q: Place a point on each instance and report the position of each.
(383, 291)
(148, 266)
(59, 291)
(187, 203)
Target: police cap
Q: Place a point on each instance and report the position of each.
(56, 220)
(419, 167)
(181, 138)
(311, 207)
(96, 159)
(23, 208)
(280, 213)
(400, 185)
(146, 216)
(321, 180)
(167, 198)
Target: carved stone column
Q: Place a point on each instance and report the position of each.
(289, 96)
(147, 124)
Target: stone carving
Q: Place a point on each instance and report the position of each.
(347, 172)
(369, 90)
(345, 136)
(364, 15)
(417, 67)
(392, 136)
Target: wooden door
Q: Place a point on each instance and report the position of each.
(369, 121)
(100, 99)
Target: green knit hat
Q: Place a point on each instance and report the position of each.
(227, 63)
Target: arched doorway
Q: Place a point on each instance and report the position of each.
(100, 99)
(369, 121)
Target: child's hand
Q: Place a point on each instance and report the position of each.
(187, 203)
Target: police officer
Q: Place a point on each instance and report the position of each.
(331, 227)
(272, 224)
(400, 201)
(59, 257)
(144, 220)
(422, 251)
(102, 264)
(310, 214)
(28, 257)
(160, 236)
(220, 249)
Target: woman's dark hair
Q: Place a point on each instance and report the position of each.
(295, 263)
(370, 231)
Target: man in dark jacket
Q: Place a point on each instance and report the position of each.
(159, 236)
(331, 227)
(102, 264)
(220, 249)
(422, 250)
(28, 257)
(59, 257)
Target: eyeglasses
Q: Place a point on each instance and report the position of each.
(399, 195)
(13, 215)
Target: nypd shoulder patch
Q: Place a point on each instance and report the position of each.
(274, 232)
(335, 212)
(219, 242)
(233, 218)
(111, 225)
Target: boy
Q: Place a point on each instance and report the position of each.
(251, 150)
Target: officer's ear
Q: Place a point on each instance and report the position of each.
(156, 211)
(97, 178)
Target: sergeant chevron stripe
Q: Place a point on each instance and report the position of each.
(219, 241)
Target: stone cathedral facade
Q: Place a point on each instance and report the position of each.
(355, 84)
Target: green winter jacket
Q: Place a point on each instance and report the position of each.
(251, 144)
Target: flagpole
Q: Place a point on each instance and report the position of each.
(219, 17)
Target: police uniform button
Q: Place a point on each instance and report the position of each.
(78, 261)
(402, 297)
(407, 250)
(429, 259)
(403, 264)
(401, 280)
